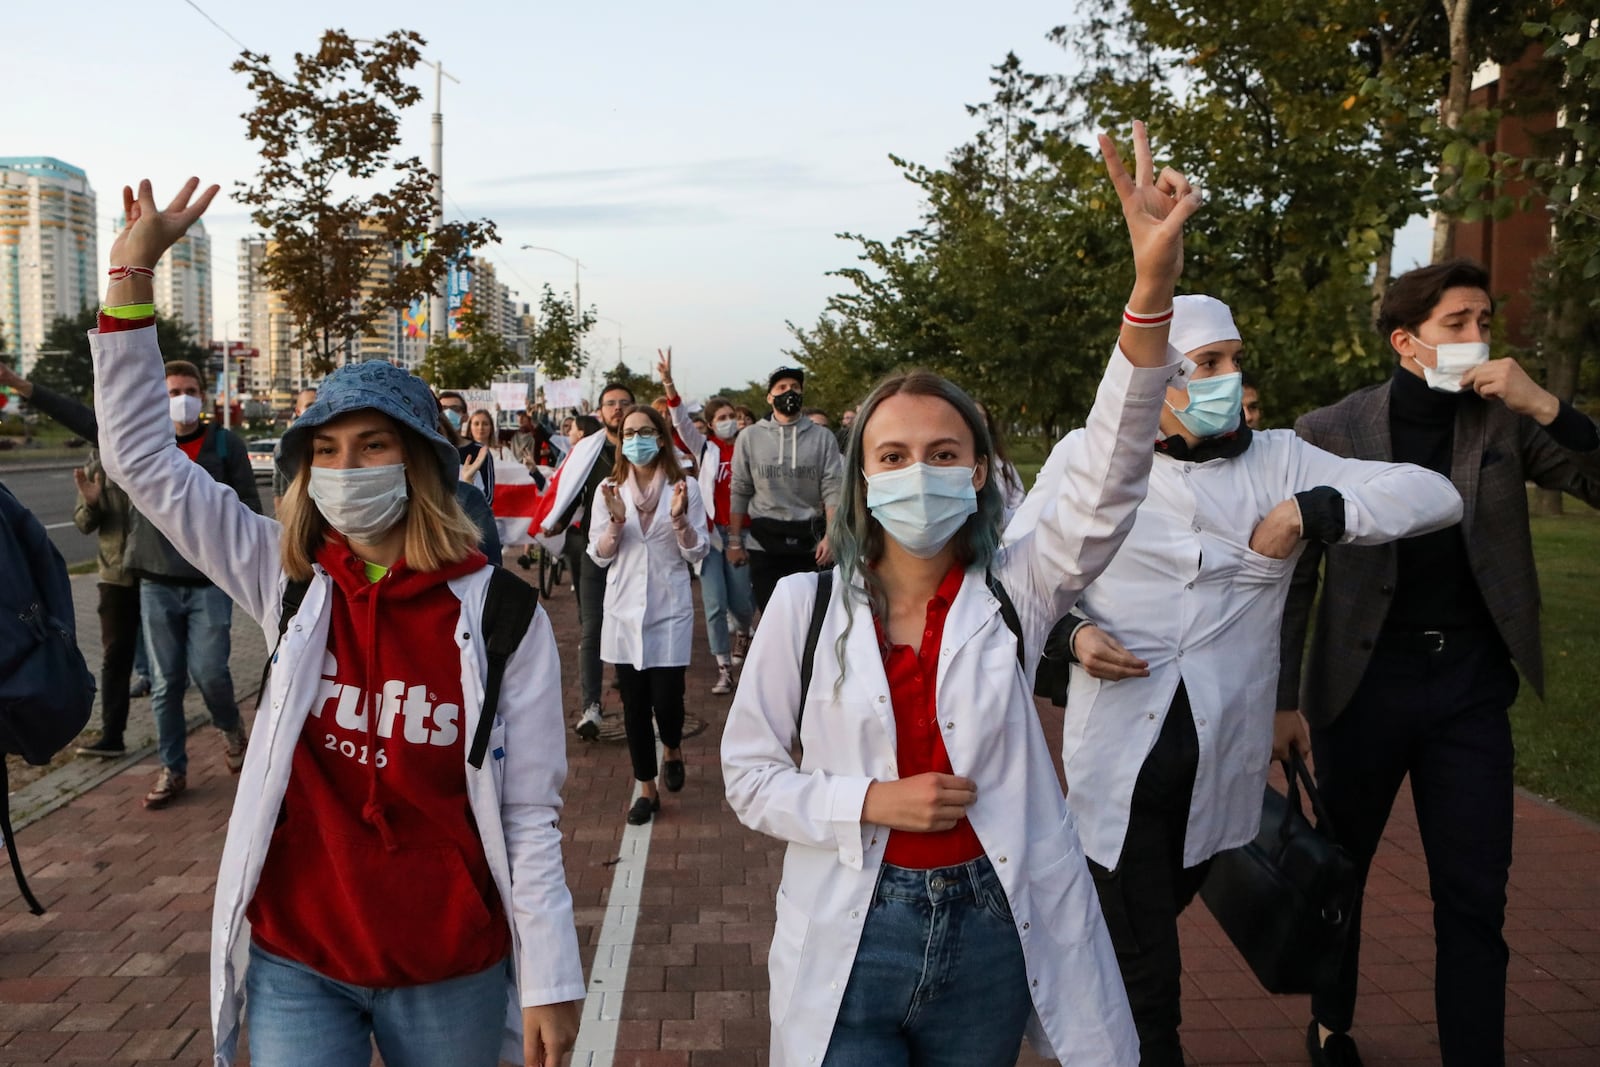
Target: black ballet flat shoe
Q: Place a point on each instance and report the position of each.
(1338, 1051)
(642, 810)
(672, 774)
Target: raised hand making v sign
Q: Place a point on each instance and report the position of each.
(1155, 207)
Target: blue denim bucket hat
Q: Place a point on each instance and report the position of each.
(379, 386)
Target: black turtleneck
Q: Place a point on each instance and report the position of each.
(1436, 589)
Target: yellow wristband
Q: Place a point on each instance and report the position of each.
(131, 311)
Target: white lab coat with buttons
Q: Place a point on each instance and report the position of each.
(649, 614)
(991, 730)
(515, 796)
(1186, 594)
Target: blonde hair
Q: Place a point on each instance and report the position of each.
(438, 532)
(666, 459)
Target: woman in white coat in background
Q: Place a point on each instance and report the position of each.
(656, 524)
(935, 901)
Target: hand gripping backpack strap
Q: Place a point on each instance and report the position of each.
(819, 612)
(508, 610)
(294, 591)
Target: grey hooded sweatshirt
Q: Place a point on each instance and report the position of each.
(785, 472)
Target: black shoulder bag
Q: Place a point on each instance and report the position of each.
(1284, 899)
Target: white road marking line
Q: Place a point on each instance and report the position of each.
(602, 1006)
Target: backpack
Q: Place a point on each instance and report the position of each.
(508, 610)
(819, 611)
(46, 689)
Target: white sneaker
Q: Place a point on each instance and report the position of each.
(724, 680)
(588, 726)
(741, 645)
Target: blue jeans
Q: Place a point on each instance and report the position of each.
(939, 977)
(186, 628)
(724, 589)
(299, 1018)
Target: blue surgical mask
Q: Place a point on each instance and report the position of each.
(640, 450)
(453, 417)
(363, 503)
(922, 506)
(1214, 405)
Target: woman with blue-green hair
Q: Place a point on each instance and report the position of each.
(935, 902)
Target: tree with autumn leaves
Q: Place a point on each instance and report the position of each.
(335, 198)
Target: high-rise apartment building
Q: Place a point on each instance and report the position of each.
(183, 282)
(281, 366)
(49, 262)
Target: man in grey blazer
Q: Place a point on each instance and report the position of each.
(1414, 660)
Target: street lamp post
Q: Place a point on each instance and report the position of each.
(577, 286)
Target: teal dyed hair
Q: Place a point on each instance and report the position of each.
(855, 536)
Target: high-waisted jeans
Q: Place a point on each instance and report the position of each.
(939, 977)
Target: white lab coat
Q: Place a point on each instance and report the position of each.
(992, 732)
(649, 614)
(515, 798)
(1186, 594)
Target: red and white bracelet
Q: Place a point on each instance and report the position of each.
(121, 274)
(1147, 322)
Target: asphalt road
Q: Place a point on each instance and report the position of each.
(51, 495)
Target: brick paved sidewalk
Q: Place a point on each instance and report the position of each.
(116, 972)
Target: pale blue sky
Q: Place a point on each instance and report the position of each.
(698, 158)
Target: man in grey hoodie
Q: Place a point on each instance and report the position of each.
(786, 478)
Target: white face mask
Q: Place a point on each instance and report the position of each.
(1453, 360)
(727, 429)
(363, 503)
(922, 506)
(183, 409)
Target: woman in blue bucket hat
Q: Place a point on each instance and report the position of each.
(375, 884)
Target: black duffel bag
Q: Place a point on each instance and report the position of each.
(1284, 899)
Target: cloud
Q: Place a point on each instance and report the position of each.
(633, 214)
(751, 174)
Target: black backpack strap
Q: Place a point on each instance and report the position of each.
(508, 610)
(294, 591)
(10, 838)
(808, 658)
(1008, 612)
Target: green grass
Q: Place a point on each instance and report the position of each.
(1558, 739)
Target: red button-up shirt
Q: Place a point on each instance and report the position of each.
(919, 744)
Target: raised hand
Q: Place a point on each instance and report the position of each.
(1155, 207)
(147, 232)
(1506, 381)
(613, 501)
(680, 499)
(12, 380)
(88, 487)
(470, 467)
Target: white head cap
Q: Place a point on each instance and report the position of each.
(1198, 321)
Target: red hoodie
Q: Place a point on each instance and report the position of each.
(376, 875)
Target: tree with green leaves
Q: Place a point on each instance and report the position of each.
(470, 361)
(68, 367)
(556, 346)
(349, 223)
(643, 387)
